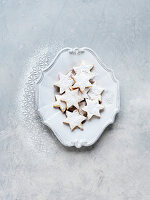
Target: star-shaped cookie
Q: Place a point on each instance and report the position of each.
(95, 92)
(65, 82)
(59, 104)
(81, 81)
(83, 68)
(74, 119)
(72, 98)
(92, 108)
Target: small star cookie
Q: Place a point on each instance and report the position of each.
(81, 81)
(92, 108)
(59, 104)
(95, 92)
(65, 82)
(74, 119)
(72, 98)
(83, 68)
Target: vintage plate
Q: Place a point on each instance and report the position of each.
(52, 117)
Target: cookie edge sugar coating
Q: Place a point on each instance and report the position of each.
(75, 126)
(57, 105)
(75, 95)
(95, 103)
(80, 108)
(77, 85)
(59, 82)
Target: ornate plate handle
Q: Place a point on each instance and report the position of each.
(76, 51)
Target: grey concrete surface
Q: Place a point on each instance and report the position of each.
(117, 167)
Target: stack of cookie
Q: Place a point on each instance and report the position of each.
(79, 96)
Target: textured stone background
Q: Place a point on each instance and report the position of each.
(117, 167)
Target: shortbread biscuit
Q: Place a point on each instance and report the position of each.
(81, 81)
(72, 98)
(95, 92)
(92, 108)
(74, 119)
(59, 104)
(65, 82)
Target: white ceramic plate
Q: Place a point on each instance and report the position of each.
(53, 118)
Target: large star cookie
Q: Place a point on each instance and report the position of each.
(65, 82)
(92, 108)
(82, 81)
(74, 119)
(59, 104)
(95, 92)
(83, 68)
(72, 98)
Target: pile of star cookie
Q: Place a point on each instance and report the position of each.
(79, 97)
